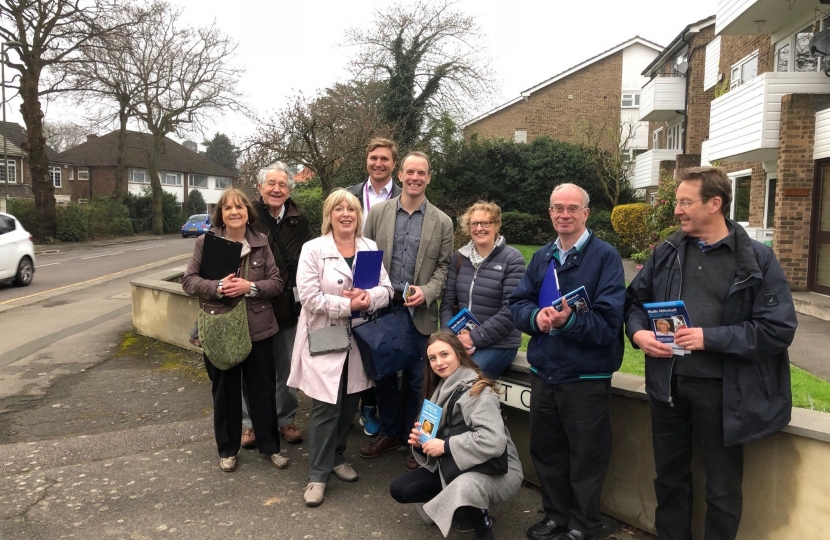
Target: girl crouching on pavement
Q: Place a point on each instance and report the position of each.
(469, 401)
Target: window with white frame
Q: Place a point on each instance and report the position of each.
(11, 169)
(198, 180)
(655, 139)
(674, 137)
(223, 182)
(83, 173)
(520, 136)
(744, 71)
(630, 100)
(55, 176)
(171, 179)
(793, 52)
(138, 176)
(741, 188)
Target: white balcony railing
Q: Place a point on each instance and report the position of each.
(744, 123)
(744, 17)
(647, 167)
(663, 98)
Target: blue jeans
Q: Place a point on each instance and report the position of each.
(398, 414)
(494, 361)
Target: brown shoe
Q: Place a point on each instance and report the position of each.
(381, 445)
(411, 463)
(292, 434)
(248, 438)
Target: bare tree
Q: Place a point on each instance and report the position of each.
(327, 134)
(185, 75)
(433, 62)
(46, 33)
(608, 147)
(62, 135)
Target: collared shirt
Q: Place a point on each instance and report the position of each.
(562, 256)
(728, 241)
(370, 198)
(279, 217)
(407, 240)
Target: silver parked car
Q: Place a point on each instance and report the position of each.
(17, 253)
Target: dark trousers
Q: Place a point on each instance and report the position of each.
(418, 486)
(398, 408)
(570, 444)
(696, 411)
(260, 376)
(367, 398)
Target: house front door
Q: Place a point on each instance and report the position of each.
(818, 274)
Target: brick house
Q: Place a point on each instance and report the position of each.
(675, 104)
(17, 167)
(601, 92)
(92, 168)
(770, 128)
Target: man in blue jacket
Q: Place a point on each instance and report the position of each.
(572, 357)
(733, 385)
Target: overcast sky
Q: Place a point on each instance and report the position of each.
(286, 47)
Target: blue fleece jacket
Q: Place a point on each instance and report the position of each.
(590, 345)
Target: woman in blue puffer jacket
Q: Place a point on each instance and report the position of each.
(481, 277)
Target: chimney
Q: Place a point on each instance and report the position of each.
(91, 136)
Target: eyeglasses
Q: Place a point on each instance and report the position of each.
(484, 224)
(561, 209)
(685, 204)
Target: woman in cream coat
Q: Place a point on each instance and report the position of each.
(333, 381)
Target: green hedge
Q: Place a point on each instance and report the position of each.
(310, 201)
(522, 228)
(24, 211)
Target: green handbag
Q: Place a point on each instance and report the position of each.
(225, 337)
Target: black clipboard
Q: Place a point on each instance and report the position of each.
(220, 257)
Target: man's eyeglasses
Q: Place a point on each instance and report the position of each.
(483, 224)
(685, 204)
(560, 209)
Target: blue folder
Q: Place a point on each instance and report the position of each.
(366, 272)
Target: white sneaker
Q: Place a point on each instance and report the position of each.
(227, 464)
(345, 472)
(314, 494)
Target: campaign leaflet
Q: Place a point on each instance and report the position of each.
(577, 300)
(666, 319)
(429, 420)
(464, 321)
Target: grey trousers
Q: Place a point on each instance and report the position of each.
(287, 404)
(329, 431)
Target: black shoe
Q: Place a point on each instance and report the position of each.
(547, 529)
(462, 523)
(487, 535)
(573, 534)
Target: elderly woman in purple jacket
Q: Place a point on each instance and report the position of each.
(481, 277)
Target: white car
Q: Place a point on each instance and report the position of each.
(17, 253)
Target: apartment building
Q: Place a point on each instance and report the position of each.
(600, 92)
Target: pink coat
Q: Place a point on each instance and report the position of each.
(322, 275)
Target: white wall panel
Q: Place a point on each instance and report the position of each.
(711, 69)
(822, 146)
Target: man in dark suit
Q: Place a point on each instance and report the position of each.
(381, 156)
(417, 241)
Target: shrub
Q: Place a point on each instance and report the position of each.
(195, 203)
(662, 215)
(668, 231)
(310, 201)
(73, 223)
(140, 208)
(631, 223)
(522, 228)
(108, 217)
(24, 211)
(641, 256)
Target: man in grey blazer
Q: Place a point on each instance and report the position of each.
(417, 241)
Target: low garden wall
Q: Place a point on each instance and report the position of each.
(162, 310)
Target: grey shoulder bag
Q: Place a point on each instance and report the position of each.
(329, 339)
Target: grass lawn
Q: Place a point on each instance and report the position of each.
(527, 251)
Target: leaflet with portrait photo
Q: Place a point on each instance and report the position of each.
(464, 321)
(429, 419)
(667, 318)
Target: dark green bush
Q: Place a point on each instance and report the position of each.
(522, 228)
(310, 201)
(73, 223)
(108, 217)
(140, 211)
(195, 203)
(24, 211)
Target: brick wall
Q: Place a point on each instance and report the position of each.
(697, 101)
(795, 178)
(654, 126)
(102, 181)
(595, 101)
(734, 48)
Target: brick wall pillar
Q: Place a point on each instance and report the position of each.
(793, 194)
(687, 161)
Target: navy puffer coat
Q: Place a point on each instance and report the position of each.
(485, 293)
